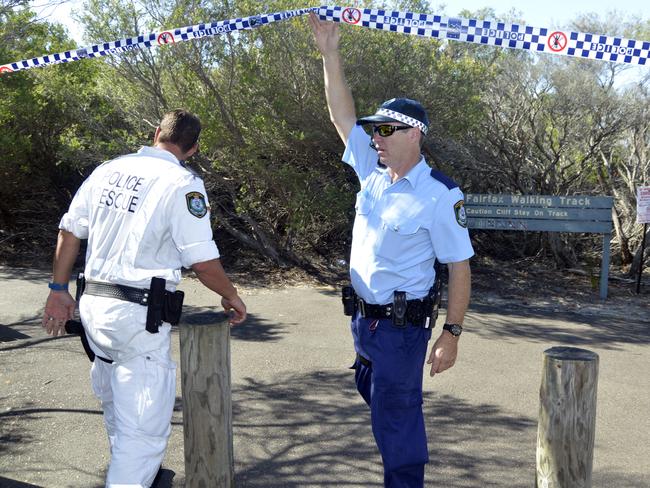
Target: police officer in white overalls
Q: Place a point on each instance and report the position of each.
(145, 217)
(407, 217)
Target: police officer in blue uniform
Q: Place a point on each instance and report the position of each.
(407, 217)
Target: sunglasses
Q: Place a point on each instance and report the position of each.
(386, 130)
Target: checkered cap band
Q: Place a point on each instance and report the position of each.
(403, 118)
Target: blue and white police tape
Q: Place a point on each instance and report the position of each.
(492, 33)
(485, 32)
(155, 39)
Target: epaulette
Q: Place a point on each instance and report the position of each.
(444, 179)
(105, 162)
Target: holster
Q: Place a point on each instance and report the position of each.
(173, 306)
(400, 307)
(75, 327)
(349, 298)
(81, 286)
(163, 305)
(434, 298)
(155, 307)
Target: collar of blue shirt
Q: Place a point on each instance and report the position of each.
(415, 173)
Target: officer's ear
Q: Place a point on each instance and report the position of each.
(414, 135)
(155, 136)
(192, 150)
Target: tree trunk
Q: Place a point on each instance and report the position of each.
(257, 240)
(624, 242)
(637, 256)
(560, 253)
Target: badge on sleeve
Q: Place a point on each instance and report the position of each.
(459, 211)
(196, 204)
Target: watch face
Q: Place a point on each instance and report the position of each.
(454, 329)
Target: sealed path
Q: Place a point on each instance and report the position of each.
(298, 421)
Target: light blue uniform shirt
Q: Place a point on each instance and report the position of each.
(400, 228)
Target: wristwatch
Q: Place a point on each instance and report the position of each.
(58, 286)
(453, 329)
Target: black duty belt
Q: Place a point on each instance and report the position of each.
(416, 311)
(120, 292)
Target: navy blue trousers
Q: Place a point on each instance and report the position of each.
(392, 387)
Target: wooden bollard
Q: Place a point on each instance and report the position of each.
(207, 407)
(567, 418)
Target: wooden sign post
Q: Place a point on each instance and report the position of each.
(642, 217)
(567, 418)
(207, 406)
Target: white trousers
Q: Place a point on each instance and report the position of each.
(138, 400)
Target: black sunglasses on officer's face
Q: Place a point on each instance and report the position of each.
(386, 130)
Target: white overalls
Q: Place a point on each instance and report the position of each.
(144, 216)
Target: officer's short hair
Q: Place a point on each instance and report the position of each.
(181, 128)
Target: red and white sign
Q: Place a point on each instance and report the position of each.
(557, 41)
(5, 69)
(643, 205)
(165, 38)
(351, 16)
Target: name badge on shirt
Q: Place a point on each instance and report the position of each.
(196, 204)
(459, 211)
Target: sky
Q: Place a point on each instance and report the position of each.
(537, 13)
(553, 13)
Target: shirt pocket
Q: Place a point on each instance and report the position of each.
(363, 205)
(397, 238)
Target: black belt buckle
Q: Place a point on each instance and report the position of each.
(399, 309)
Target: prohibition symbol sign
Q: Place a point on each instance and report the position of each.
(5, 69)
(165, 38)
(557, 41)
(351, 16)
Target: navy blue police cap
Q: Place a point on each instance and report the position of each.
(405, 110)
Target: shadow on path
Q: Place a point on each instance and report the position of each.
(38, 276)
(7, 483)
(314, 430)
(254, 329)
(22, 328)
(565, 327)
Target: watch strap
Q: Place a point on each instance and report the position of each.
(58, 286)
(453, 329)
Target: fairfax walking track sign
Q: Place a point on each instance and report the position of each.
(589, 214)
(540, 213)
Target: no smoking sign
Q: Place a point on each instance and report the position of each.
(165, 38)
(557, 41)
(351, 15)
